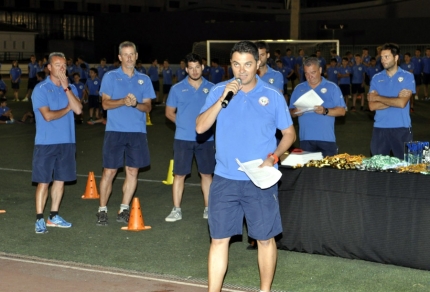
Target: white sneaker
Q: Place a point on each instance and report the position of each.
(25, 99)
(205, 213)
(175, 215)
(416, 97)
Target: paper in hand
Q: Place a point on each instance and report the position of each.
(308, 101)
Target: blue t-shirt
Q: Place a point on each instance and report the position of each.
(426, 64)
(407, 67)
(58, 131)
(188, 101)
(285, 71)
(93, 86)
(371, 71)
(117, 85)
(80, 88)
(101, 71)
(345, 70)
(274, 78)
(181, 74)
(32, 70)
(3, 110)
(323, 64)
(167, 76)
(3, 86)
(332, 74)
(299, 61)
(70, 70)
(313, 126)
(392, 117)
(417, 65)
(153, 73)
(216, 74)
(246, 128)
(15, 73)
(289, 61)
(366, 60)
(141, 70)
(358, 74)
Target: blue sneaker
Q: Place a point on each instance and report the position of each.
(40, 227)
(58, 221)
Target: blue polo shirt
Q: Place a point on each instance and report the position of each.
(392, 117)
(93, 86)
(407, 67)
(3, 110)
(289, 61)
(246, 128)
(117, 85)
(313, 126)
(70, 70)
(358, 74)
(181, 74)
(101, 71)
(417, 65)
(426, 64)
(332, 74)
(323, 64)
(285, 71)
(15, 73)
(344, 70)
(3, 86)
(371, 71)
(274, 78)
(167, 76)
(32, 70)
(216, 74)
(80, 88)
(153, 73)
(188, 101)
(58, 131)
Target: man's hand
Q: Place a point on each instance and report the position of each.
(373, 96)
(319, 109)
(64, 81)
(130, 100)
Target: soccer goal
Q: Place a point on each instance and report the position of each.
(220, 49)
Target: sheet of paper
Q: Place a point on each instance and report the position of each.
(262, 177)
(308, 100)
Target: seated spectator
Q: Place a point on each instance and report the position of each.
(6, 116)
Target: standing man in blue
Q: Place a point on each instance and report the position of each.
(155, 79)
(32, 79)
(416, 60)
(321, 59)
(332, 71)
(181, 73)
(389, 96)
(217, 72)
(127, 95)
(344, 76)
(266, 73)
(206, 69)
(357, 82)
(183, 106)
(167, 80)
(257, 110)
(92, 88)
(289, 61)
(15, 79)
(426, 73)
(408, 66)
(317, 126)
(54, 102)
(139, 67)
(71, 68)
(102, 68)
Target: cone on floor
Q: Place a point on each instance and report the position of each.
(91, 189)
(148, 120)
(169, 179)
(136, 222)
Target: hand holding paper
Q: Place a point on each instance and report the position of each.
(263, 177)
(308, 101)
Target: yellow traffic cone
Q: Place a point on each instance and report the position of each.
(148, 120)
(169, 179)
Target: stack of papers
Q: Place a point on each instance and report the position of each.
(262, 177)
(307, 102)
(301, 158)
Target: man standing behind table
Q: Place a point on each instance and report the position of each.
(127, 95)
(54, 102)
(317, 126)
(257, 110)
(266, 73)
(185, 100)
(389, 94)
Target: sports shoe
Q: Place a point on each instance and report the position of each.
(58, 221)
(40, 226)
(90, 123)
(175, 215)
(10, 121)
(25, 99)
(123, 216)
(205, 214)
(102, 219)
(416, 97)
(352, 108)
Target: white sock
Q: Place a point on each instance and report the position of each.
(101, 209)
(123, 207)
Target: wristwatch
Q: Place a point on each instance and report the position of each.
(325, 112)
(135, 104)
(68, 88)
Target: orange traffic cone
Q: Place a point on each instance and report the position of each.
(135, 222)
(91, 189)
(2, 211)
(148, 120)
(169, 179)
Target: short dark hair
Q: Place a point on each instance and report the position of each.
(76, 73)
(311, 61)
(407, 54)
(215, 60)
(333, 51)
(193, 58)
(41, 74)
(372, 59)
(95, 70)
(333, 60)
(357, 55)
(395, 50)
(345, 58)
(245, 47)
(262, 45)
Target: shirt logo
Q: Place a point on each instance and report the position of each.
(335, 72)
(96, 82)
(216, 71)
(263, 101)
(271, 80)
(323, 90)
(400, 79)
(205, 90)
(359, 69)
(81, 87)
(140, 81)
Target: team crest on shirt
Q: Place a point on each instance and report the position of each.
(216, 71)
(263, 101)
(140, 81)
(359, 69)
(96, 82)
(323, 90)
(205, 90)
(271, 80)
(400, 79)
(335, 72)
(81, 87)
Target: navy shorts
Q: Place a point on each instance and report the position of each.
(325, 147)
(345, 89)
(386, 140)
(132, 146)
(156, 85)
(93, 101)
(15, 85)
(31, 83)
(166, 88)
(357, 88)
(183, 152)
(418, 79)
(54, 162)
(426, 78)
(230, 200)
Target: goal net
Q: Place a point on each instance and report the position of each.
(220, 49)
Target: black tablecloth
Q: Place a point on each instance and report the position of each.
(381, 217)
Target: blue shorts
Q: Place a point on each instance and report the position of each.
(183, 152)
(166, 88)
(156, 85)
(386, 140)
(325, 147)
(93, 101)
(54, 162)
(357, 88)
(132, 145)
(230, 200)
(418, 79)
(32, 82)
(345, 89)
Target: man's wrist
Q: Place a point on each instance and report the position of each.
(135, 104)
(274, 156)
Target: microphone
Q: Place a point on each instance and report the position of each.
(230, 95)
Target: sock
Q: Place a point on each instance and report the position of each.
(101, 209)
(53, 214)
(123, 207)
(178, 209)
(206, 208)
(39, 216)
